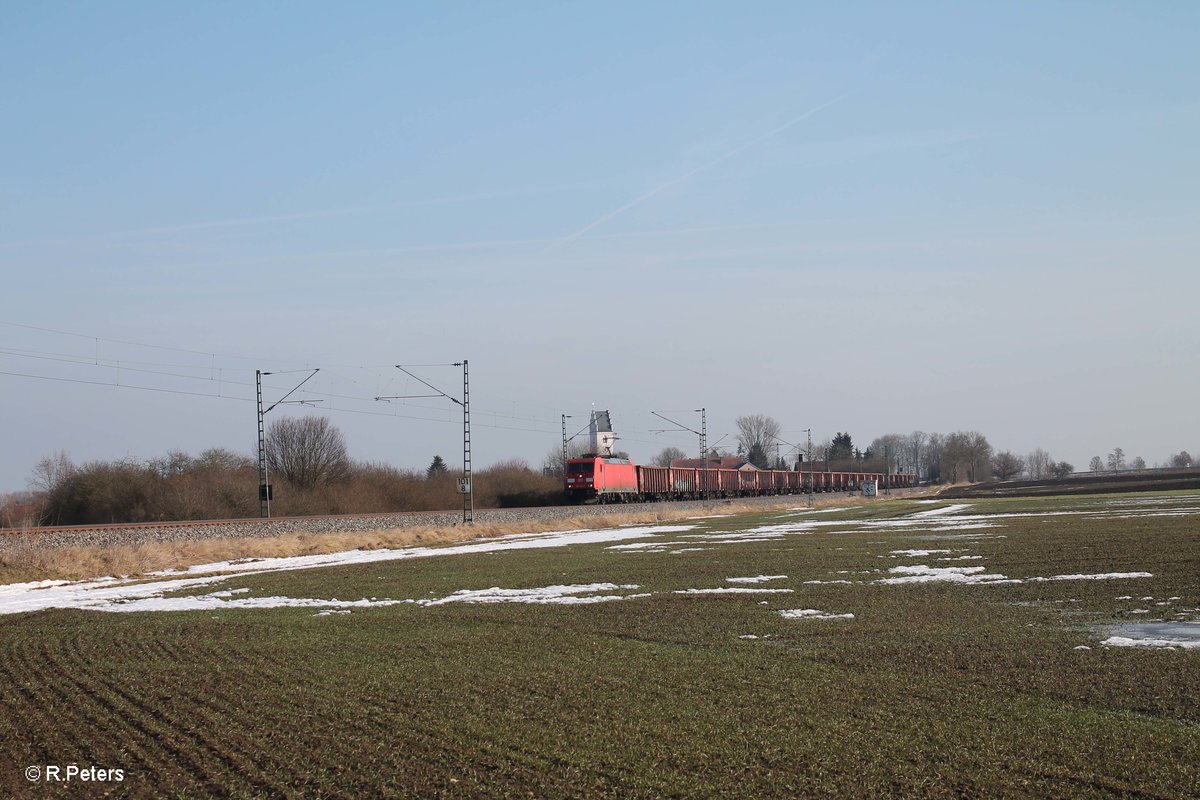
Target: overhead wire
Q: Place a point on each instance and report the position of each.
(338, 410)
(122, 341)
(219, 375)
(97, 360)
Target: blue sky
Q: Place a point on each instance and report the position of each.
(872, 218)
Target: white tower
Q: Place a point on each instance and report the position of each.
(603, 438)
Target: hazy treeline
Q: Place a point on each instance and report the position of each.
(312, 473)
(962, 456)
(1118, 461)
(967, 456)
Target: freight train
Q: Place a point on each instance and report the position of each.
(611, 479)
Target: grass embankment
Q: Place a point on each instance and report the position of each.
(932, 690)
(30, 562)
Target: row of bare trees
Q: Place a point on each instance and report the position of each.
(309, 465)
(1116, 461)
(935, 457)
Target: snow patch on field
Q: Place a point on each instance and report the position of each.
(561, 595)
(216, 600)
(1126, 641)
(558, 595)
(646, 547)
(16, 589)
(732, 590)
(922, 573)
(757, 579)
(811, 613)
(1101, 576)
(104, 592)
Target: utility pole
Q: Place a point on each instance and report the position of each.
(464, 483)
(564, 434)
(809, 433)
(467, 489)
(887, 471)
(702, 433)
(264, 487)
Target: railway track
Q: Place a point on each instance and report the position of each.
(195, 530)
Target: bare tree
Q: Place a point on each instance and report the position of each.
(220, 458)
(981, 455)
(175, 463)
(966, 455)
(935, 447)
(1096, 465)
(1138, 463)
(1116, 460)
(668, 455)
(307, 451)
(757, 433)
(1038, 464)
(895, 449)
(917, 443)
(553, 463)
(1061, 470)
(50, 472)
(1181, 459)
(1007, 466)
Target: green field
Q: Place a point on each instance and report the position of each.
(932, 689)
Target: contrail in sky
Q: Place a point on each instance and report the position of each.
(232, 223)
(333, 212)
(705, 166)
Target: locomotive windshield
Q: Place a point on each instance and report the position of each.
(580, 468)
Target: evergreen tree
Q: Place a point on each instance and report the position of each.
(436, 468)
(843, 447)
(757, 456)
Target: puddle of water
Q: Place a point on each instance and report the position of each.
(1185, 634)
(1189, 631)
